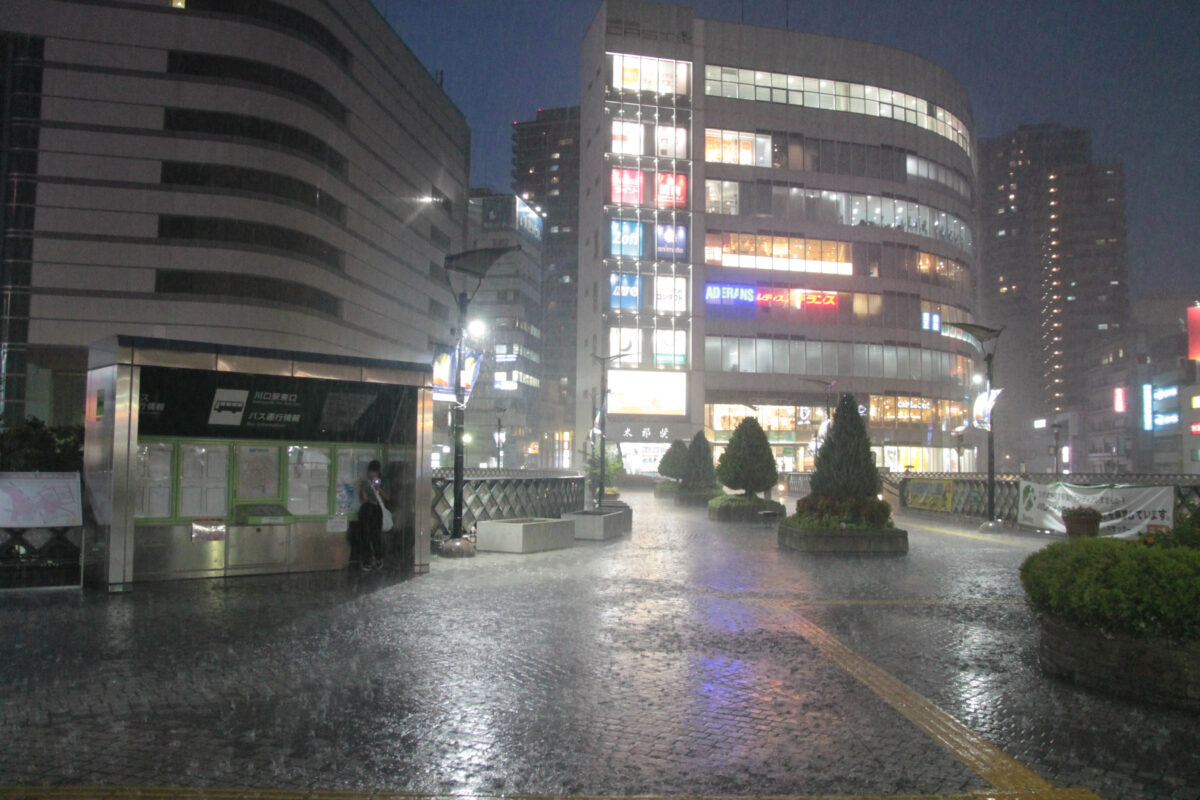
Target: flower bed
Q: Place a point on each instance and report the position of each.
(739, 508)
(842, 541)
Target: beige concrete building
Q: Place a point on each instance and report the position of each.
(276, 174)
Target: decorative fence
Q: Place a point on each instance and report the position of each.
(967, 495)
(34, 558)
(504, 494)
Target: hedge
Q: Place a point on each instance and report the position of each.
(1118, 587)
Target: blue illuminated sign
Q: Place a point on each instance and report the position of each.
(730, 300)
(1147, 407)
(529, 222)
(626, 291)
(626, 238)
(729, 294)
(671, 241)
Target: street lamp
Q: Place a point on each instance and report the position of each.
(473, 264)
(985, 334)
(602, 416)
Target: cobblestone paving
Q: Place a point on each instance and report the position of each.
(665, 662)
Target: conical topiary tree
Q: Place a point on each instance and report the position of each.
(699, 473)
(844, 465)
(674, 462)
(747, 462)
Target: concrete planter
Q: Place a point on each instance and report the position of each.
(607, 523)
(1150, 669)
(844, 541)
(687, 498)
(527, 535)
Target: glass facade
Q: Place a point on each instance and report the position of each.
(831, 95)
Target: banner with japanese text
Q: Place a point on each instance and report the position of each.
(1126, 510)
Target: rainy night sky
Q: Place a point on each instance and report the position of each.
(1127, 71)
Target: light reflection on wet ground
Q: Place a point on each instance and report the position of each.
(657, 663)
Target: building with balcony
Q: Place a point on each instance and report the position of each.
(769, 219)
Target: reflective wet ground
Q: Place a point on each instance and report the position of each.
(690, 657)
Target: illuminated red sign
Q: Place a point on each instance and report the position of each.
(1196, 427)
(627, 186)
(670, 189)
(1193, 323)
(1119, 399)
(796, 298)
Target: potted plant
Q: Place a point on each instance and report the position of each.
(1081, 521)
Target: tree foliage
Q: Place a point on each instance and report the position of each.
(747, 462)
(34, 446)
(699, 473)
(674, 462)
(844, 464)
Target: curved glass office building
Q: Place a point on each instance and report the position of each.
(277, 174)
(769, 219)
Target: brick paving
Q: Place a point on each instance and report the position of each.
(669, 661)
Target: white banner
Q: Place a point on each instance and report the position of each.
(1126, 510)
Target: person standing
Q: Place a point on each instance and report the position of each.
(371, 498)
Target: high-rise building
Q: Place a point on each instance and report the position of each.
(1055, 277)
(769, 219)
(504, 417)
(277, 174)
(546, 175)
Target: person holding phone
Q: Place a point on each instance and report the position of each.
(371, 497)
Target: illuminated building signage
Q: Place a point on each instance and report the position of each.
(627, 186)
(1196, 428)
(1147, 407)
(626, 238)
(1119, 399)
(741, 299)
(649, 393)
(626, 291)
(1162, 420)
(1193, 325)
(529, 222)
(627, 138)
(670, 190)
(670, 241)
(1166, 393)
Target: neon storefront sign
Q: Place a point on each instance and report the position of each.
(735, 294)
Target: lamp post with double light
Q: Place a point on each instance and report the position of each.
(984, 334)
(473, 264)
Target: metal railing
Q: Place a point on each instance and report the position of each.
(504, 494)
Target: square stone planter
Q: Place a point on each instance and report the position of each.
(607, 523)
(526, 535)
(844, 541)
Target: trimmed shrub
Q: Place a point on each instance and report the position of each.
(34, 446)
(1118, 587)
(844, 464)
(834, 512)
(666, 489)
(699, 474)
(747, 462)
(675, 461)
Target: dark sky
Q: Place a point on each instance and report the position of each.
(1127, 71)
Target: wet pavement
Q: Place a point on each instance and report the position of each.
(689, 657)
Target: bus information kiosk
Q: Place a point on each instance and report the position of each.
(211, 461)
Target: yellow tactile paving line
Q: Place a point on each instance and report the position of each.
(1005, 773)
(220, 793)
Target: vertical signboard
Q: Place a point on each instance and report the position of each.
(626, 238)
(670, 190)
(626, 291)
(627, 186)
(1193, 324)
(670, 242)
